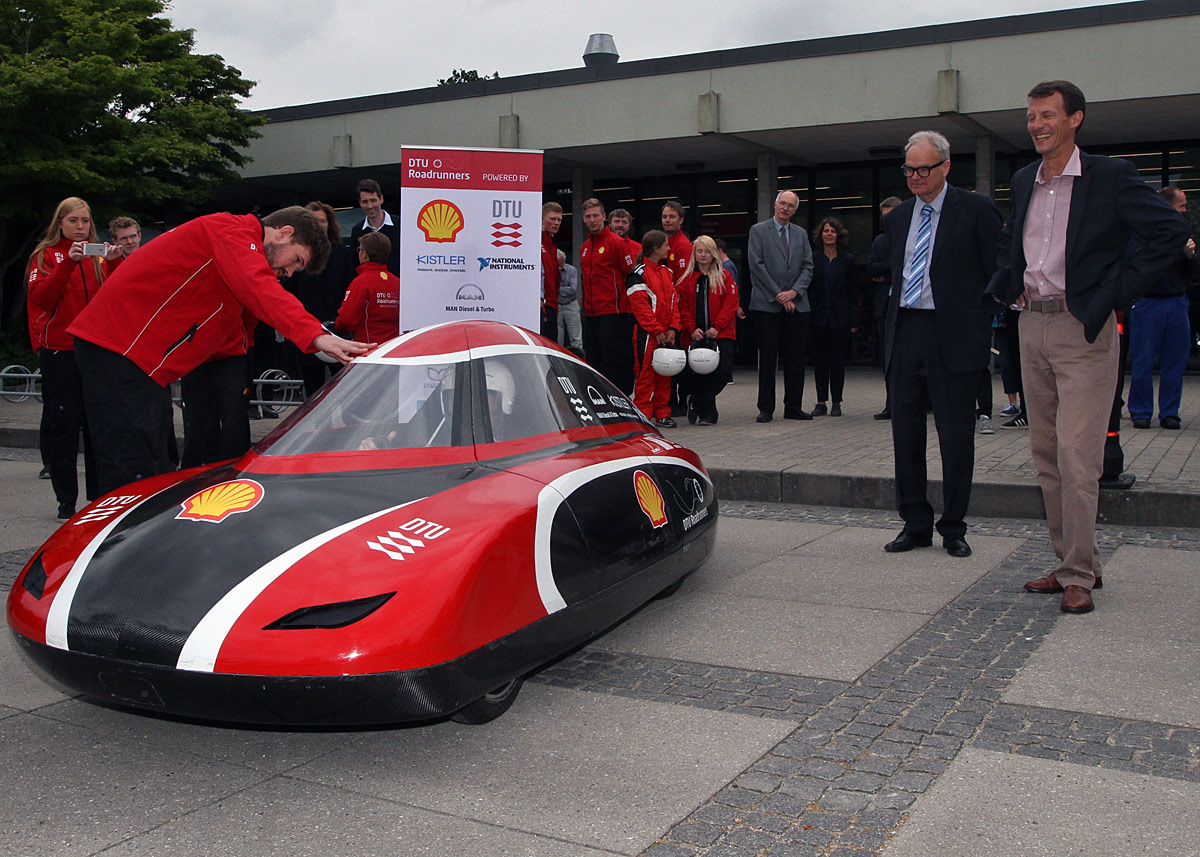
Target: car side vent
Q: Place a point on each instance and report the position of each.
(35, 578)
(337, 615)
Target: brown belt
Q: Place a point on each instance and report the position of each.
(1057, 305)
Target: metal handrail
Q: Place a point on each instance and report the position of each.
(17, 384)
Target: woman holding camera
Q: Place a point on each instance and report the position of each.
(65, 271)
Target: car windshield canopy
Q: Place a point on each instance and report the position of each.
(414, 403)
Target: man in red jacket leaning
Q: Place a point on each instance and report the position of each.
(170, 307)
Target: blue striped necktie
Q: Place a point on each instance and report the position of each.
(920, 259)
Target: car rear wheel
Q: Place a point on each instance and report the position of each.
(489, 706)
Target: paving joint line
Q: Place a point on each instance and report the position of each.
(843, 781)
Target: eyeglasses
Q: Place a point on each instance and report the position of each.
(923, 172)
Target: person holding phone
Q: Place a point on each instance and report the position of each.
(64, 273)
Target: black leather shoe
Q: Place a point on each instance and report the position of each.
(885, 414)
(797, 415)
(819, 410)
(836, 410)
(906, 541)
(763, 417)
(1171, 423)
(956, 546)
(1139, 422)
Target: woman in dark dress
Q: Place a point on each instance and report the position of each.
(834, 318)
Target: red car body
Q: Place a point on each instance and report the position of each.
(456, 508)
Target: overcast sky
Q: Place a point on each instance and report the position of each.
(302, 51)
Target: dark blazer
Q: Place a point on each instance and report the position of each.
(964, 251)
(879, 264)
(845, 289)
(393, 234)
(1109, 204)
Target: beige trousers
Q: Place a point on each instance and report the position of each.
(1069, 389)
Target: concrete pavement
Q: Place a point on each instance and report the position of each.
(803, 694)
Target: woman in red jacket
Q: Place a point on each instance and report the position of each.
(652, 298)
(708, 303)
(62, 280)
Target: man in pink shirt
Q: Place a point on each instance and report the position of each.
(1065, 257)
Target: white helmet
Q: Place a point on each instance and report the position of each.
(500, 380)
(703, 360)
(669, 361)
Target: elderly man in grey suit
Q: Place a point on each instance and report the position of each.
(781, 267)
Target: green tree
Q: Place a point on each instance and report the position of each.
(465, 75)
(104, 99)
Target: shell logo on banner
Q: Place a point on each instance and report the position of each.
(213, 505)
(650, 498)
(440, 220)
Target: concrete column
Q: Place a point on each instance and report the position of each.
(510, 131)
(985, 164)
(582, 182)
(768, 181)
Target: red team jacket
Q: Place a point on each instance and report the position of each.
(722, 309)
(681, 254)
(604, 261)
(371, 307)
(58, 294)
(653, 298)
(174, 303)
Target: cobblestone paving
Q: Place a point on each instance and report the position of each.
(862, 753)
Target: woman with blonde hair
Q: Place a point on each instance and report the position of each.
(708, 303)
(62, 280)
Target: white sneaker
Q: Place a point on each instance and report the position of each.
(985, 424)
(1010, 410)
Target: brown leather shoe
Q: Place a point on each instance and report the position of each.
(1048, 585)
(1076, 599)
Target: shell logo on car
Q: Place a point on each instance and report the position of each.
(650, 498)
(441, 221)
(217, 503)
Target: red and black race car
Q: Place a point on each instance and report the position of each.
(460, 506)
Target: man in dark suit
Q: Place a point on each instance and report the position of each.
(781, 267)
(370, 200)
(1065, 256)
(879, 269)
(943, 246)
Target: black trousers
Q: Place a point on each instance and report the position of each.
(608, 344)
(216, 403)
(829, 348)
(128, 414)
(704, 388)
(549, 324)
(62, 420)
(780, 334)
(917, 366)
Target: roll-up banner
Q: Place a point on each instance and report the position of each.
(470, 236)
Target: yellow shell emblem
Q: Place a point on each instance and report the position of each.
(440, 220)
(217, 503)
(649, 498)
